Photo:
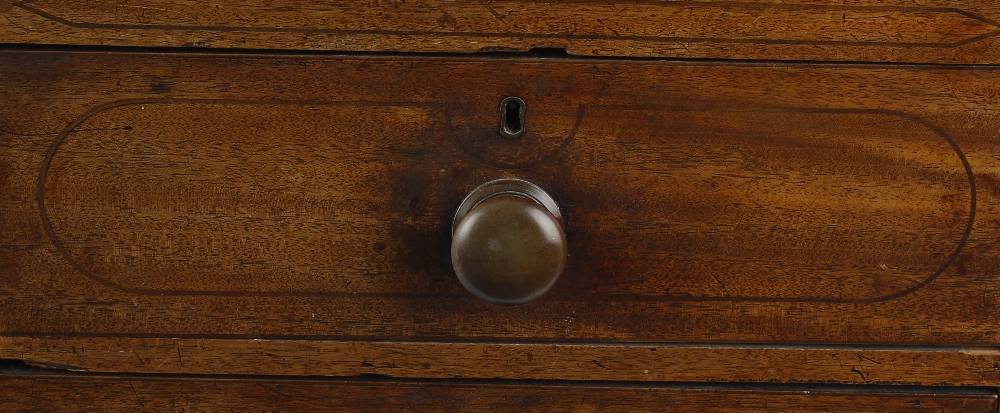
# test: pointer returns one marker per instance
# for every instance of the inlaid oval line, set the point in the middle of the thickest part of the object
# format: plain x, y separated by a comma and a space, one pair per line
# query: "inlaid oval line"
769, 204
79, 266
356, 212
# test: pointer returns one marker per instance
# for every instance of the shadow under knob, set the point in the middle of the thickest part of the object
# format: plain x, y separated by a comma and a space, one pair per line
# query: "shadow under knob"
508, 245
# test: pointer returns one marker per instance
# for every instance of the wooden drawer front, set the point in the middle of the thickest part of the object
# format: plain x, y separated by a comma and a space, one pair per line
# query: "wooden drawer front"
235, 196
113, 394
939, 31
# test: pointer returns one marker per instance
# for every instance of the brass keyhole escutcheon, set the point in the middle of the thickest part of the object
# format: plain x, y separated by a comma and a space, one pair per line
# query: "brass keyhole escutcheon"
508, 244
512, 117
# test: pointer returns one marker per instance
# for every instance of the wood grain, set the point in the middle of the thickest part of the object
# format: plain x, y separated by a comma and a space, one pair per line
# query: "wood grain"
924, 366
309, 197
729, 196
119, 394
938, 31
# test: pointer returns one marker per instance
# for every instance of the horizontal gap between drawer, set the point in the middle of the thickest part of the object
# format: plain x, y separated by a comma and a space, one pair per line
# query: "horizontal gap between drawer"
971, 349
542, 54
15, 369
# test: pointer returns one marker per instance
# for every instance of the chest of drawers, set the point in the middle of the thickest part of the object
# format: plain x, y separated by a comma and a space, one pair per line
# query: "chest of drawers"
765, 205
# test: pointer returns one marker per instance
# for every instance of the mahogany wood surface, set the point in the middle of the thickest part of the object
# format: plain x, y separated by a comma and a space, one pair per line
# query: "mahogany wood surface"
934, 31
924, 366
238, 197
54, 393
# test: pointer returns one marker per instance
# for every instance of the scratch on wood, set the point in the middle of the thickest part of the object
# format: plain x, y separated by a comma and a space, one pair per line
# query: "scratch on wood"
859, 372
863, 358
493, 12
143, 7
598, 364
275, 391
136, 394
608, 27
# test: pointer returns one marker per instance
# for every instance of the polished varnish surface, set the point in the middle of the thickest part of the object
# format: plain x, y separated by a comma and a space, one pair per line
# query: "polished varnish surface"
311, 197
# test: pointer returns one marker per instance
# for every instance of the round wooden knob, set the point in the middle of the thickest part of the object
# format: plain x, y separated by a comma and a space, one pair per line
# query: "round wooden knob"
508, 244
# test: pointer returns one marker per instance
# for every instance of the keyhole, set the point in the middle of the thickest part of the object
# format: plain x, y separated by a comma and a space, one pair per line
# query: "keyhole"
512, 117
